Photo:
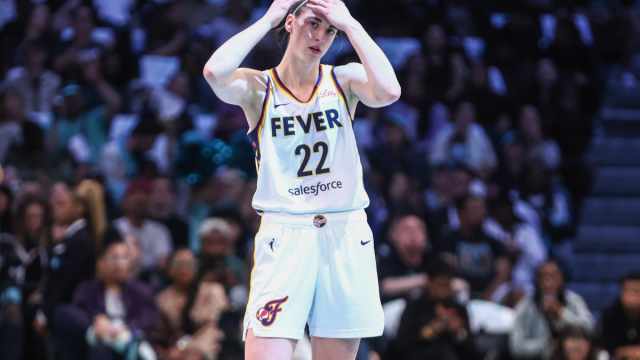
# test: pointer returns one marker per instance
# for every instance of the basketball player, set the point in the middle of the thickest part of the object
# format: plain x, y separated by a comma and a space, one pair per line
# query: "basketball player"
314, 258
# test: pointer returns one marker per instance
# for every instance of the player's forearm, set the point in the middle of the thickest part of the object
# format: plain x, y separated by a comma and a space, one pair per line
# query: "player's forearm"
380, 74
228, 57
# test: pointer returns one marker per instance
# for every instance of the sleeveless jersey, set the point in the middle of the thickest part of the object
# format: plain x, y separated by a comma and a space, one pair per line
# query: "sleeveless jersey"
306, 153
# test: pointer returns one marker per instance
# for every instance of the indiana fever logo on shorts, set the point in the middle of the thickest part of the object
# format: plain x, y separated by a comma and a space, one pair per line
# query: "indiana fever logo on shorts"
267, 314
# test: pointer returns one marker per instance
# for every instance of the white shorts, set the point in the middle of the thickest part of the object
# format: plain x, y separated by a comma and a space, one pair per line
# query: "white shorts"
318, 270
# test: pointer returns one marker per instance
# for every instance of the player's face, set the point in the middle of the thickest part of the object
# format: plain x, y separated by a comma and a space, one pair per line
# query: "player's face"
311, 33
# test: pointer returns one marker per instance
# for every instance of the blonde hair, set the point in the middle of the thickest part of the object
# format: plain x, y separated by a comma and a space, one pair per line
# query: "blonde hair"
92, 194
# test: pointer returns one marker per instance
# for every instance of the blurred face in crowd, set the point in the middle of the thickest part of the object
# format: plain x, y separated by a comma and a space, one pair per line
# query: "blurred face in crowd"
34, 218
4, 202
576, 348
631, 296
83, 23
441, 181
136, 205
465, 115
13, 106
547, 73
550, 278
440, 287
179, 85
39, 19
409, 237
66, 208
182, 268
35, 59
115, 264
460, 180
400, 187
436, 38
162, 200
215, 243
530, 123
474, 212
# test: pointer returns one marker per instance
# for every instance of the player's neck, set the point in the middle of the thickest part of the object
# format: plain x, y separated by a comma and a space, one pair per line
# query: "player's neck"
297, 74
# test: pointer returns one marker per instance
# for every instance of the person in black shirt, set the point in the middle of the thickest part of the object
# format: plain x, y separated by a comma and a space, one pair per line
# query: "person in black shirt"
163, 209
402, 265
620, 323
435, 326
478, 258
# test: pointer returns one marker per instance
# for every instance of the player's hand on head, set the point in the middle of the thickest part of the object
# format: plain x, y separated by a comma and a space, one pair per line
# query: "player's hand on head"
278, 10
335, 11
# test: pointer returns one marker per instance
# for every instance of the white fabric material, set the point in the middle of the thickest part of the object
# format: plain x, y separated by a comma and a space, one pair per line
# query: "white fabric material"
325, 277
528, 241
153, 239
317, 130
479, 152
490, 317
393, 311
113, 305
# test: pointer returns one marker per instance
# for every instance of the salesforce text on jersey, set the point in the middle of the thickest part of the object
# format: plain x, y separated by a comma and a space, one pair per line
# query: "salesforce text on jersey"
315, 189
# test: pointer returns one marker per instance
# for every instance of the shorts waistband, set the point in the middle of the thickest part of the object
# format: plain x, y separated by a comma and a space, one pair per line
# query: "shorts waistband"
314, 219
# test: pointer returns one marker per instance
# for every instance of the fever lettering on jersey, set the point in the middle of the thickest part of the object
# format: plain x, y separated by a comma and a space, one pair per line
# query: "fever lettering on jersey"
306, 152
317, 121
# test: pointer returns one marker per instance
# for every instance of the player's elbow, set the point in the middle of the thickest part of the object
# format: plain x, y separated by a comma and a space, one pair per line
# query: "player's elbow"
208, 73
394, 92
389, 94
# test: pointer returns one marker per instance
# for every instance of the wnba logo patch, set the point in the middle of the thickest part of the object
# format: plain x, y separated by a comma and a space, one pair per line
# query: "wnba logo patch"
267, 314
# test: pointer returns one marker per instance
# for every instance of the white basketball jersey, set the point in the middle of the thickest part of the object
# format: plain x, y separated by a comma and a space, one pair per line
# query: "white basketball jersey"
306, 152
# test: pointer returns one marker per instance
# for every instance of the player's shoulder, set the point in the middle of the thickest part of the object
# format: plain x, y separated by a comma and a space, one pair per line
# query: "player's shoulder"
257, 77
349, 71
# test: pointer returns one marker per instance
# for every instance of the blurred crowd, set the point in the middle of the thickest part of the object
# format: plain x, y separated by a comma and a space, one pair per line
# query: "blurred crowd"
125, 195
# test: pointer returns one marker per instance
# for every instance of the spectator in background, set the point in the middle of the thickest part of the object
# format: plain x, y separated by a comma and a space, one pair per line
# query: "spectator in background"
435, 326
35, 84
171, 340
526, 246
21, 139
538, 147
218, 258
513, 156
542, 316
131, 156
167, 25
575, 343
402, 265
152, 237
32, 235
620, 323
548, 198
476, 256
11, 317
71, 254
82, 124
111, 314
80, 47
6, 206
465, 141
92, 194
162, 208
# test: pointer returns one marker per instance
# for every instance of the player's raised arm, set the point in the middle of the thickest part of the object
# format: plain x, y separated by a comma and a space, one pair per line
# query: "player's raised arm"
374, 81
230, 83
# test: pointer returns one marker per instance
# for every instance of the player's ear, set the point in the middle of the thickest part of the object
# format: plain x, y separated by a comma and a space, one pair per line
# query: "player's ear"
288, 23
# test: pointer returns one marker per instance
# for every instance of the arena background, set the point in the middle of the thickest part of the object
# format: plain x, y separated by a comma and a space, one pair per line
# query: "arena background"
504, 185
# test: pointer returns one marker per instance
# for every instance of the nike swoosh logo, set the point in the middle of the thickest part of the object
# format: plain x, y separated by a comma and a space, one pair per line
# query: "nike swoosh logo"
363, 243
276, 105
